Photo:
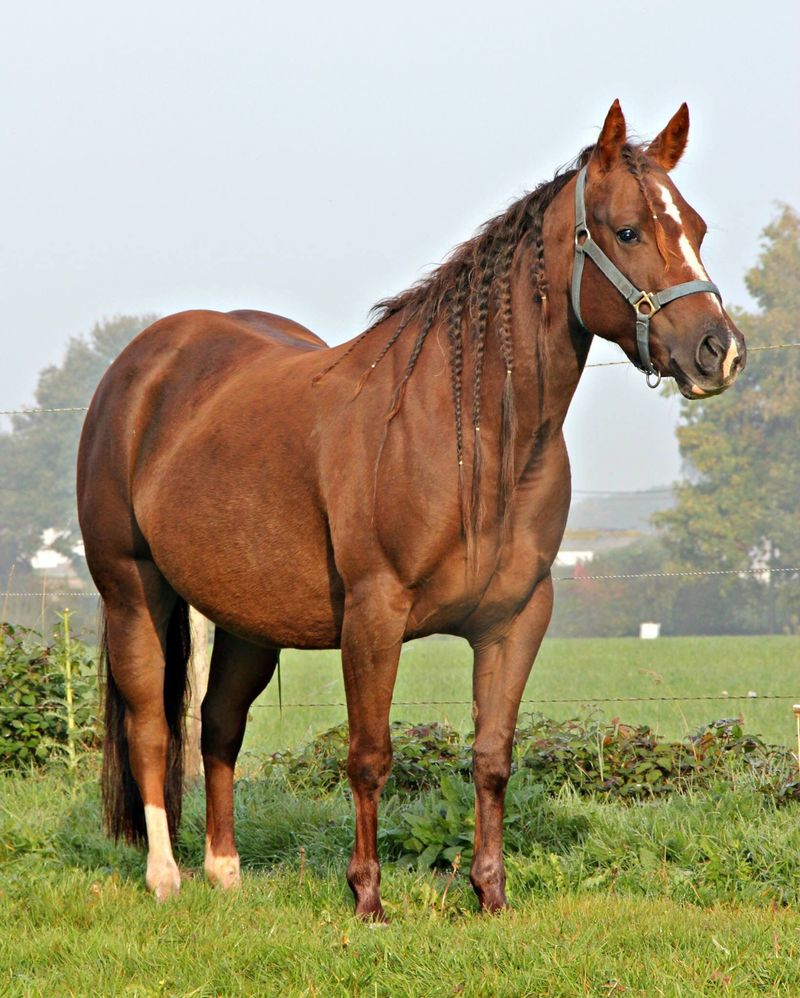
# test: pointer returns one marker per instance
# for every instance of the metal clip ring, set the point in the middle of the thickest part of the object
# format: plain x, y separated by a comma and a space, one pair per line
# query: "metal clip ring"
651, 374
582, 232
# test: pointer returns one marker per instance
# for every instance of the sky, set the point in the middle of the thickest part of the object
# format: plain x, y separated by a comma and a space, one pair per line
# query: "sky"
310, 158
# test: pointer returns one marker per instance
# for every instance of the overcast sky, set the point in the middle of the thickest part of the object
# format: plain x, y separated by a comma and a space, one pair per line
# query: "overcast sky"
310, 158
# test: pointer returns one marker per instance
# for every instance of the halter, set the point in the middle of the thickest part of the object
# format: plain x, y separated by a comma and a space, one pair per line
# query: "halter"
645, 303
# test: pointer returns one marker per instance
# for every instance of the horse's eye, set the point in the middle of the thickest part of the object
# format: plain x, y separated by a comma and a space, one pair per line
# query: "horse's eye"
628, 235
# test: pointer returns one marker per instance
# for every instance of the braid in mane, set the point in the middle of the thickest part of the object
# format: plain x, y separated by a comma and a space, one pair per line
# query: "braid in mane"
480, 315
397, 399
508, 430
387, 346
636, 161
456, 301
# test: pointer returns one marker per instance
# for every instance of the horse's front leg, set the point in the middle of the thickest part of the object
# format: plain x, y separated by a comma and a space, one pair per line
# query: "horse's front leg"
372, 633
501, 671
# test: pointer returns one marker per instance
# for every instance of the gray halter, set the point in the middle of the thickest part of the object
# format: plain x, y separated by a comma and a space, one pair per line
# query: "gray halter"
645, 303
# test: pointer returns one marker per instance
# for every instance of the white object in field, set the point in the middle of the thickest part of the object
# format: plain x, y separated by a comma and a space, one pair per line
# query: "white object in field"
569, 559
752, 694
649, 630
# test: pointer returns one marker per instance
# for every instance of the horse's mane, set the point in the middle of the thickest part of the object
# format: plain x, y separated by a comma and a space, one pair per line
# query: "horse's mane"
461, 290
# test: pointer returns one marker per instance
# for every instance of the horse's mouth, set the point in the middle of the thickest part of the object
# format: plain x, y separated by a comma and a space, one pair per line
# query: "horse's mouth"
690, 389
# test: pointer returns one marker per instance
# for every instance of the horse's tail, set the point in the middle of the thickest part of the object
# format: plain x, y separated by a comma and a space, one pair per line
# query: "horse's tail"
122, 802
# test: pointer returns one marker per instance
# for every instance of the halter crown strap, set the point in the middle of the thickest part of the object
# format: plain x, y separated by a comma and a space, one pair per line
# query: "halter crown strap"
644, 303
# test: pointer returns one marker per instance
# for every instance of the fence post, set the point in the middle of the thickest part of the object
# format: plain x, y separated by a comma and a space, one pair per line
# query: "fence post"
198, 681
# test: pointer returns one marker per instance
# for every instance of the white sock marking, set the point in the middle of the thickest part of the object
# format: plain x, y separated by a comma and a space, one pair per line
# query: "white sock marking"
222, 871
163, 878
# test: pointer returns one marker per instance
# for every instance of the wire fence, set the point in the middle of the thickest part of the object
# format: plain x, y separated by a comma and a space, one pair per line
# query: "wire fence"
760, 572
538, 701
603, 363
763, 572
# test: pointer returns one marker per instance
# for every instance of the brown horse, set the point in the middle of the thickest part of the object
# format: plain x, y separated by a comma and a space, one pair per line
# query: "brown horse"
412, 481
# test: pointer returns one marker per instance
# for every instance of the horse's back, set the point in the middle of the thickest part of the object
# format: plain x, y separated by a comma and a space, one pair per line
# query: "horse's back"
278, 329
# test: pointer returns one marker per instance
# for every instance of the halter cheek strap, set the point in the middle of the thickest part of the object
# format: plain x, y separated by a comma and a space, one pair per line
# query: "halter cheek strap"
644, 303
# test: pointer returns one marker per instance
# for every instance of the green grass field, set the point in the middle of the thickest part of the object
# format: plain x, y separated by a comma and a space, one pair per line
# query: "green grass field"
580, 669
695, 896
692, 895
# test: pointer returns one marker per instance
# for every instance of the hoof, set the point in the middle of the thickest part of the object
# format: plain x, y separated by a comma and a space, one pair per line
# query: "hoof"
493, 905
163, 880
223, 871
374, 914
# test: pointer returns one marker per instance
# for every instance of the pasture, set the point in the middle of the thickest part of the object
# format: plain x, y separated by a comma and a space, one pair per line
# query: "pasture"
582, 670
696, 894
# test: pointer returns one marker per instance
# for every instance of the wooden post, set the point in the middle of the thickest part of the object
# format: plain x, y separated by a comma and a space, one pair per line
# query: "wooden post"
198, 681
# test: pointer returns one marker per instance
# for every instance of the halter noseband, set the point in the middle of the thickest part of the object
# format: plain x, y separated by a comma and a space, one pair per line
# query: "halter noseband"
645, 303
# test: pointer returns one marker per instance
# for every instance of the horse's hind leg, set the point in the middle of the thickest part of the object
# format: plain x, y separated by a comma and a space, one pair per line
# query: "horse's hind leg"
239, 672
145, 656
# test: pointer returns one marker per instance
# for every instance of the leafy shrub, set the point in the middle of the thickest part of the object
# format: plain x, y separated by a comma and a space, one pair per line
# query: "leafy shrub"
620, 761
614, 760
423, 755
34, 726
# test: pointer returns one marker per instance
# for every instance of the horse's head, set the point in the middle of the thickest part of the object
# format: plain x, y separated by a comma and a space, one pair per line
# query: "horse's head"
638, 279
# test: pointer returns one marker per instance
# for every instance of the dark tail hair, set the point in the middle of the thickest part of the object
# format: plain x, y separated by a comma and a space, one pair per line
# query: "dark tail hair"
122, 802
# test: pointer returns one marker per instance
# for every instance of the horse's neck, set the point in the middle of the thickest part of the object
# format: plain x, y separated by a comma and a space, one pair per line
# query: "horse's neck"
549, 355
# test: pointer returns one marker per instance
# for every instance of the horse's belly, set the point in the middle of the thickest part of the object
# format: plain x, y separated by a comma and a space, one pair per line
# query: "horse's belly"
265, 600
259, 568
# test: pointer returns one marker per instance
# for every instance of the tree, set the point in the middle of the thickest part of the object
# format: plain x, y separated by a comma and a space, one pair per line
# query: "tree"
739, 506
37, 458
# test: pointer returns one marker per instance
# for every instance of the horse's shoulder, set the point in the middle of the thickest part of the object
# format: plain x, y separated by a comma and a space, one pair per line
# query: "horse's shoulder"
279, 329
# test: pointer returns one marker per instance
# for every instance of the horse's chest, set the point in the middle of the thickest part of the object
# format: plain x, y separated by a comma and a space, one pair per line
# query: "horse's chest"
459, 598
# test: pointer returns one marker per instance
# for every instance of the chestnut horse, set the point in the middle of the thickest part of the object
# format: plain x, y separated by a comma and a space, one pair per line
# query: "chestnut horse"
412, 481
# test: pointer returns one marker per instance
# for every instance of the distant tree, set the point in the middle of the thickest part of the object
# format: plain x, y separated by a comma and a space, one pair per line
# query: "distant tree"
740, 503
37, 458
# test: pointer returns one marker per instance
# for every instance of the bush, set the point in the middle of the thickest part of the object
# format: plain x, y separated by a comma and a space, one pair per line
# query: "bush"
618, 760
429, 814
423, 754
37, 722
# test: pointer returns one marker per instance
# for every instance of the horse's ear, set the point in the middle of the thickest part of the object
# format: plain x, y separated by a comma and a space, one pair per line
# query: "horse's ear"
667, 147
612, 139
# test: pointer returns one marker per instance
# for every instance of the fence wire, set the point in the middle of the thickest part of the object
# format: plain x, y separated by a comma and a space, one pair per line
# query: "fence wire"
584, 701
603, 363
559, 578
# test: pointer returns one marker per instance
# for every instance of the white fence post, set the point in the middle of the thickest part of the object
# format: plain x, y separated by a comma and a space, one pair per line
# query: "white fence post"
198, 681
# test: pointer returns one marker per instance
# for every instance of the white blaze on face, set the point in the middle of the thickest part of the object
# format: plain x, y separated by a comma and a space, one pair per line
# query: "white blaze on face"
687, 251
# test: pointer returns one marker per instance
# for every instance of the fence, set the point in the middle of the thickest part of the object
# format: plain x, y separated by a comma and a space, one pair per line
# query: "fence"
693, 573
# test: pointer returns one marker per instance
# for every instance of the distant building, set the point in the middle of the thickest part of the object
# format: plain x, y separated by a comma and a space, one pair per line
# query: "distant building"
569, 559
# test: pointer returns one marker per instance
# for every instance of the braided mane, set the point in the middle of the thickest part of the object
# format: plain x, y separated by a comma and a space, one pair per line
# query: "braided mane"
475, 278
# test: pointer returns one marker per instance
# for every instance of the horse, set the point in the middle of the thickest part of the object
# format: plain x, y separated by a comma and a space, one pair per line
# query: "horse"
412, 481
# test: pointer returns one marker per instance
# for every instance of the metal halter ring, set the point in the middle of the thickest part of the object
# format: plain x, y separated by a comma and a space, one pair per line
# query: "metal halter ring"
653, 374
647, 298
582, 233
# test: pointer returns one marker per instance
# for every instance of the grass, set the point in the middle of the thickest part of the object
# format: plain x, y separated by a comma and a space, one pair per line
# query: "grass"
582, 669
278, 936
692, 896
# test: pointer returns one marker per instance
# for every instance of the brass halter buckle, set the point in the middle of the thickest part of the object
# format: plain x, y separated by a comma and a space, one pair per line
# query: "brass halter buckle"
648, 300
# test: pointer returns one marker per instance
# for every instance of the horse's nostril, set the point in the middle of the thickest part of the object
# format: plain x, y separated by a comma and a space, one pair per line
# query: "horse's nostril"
709, 354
